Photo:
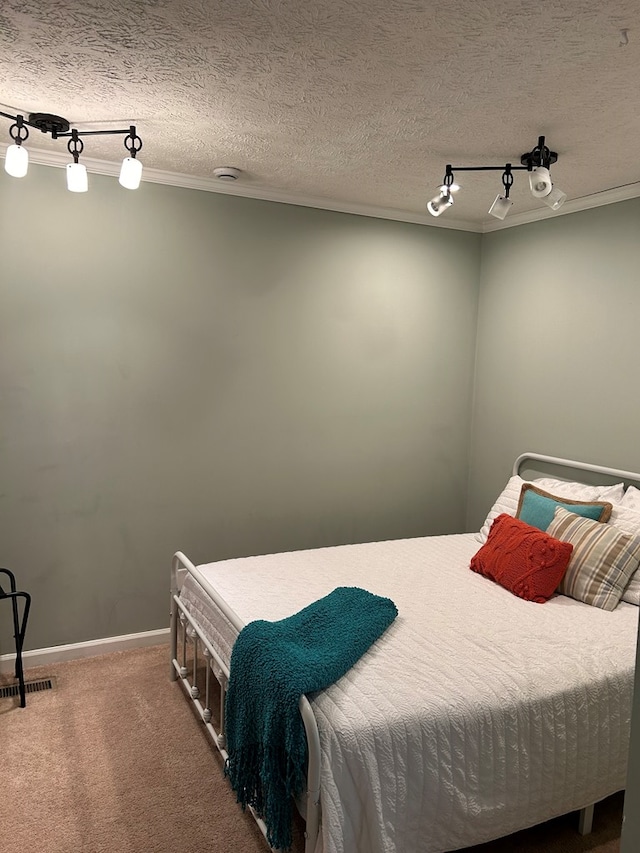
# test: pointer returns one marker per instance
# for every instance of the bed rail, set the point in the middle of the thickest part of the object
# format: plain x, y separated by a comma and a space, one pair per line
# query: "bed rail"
572, 464
179, 614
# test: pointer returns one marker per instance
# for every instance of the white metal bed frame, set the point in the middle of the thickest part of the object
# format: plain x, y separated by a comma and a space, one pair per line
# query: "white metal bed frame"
181, 619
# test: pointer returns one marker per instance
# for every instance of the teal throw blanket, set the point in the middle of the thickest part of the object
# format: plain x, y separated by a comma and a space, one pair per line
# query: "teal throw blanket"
272, 665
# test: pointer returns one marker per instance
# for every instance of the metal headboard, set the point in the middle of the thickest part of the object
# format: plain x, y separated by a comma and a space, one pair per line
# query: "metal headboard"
615, 473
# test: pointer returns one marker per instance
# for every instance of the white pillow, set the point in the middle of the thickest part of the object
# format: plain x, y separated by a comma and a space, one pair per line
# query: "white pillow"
628, 520
508, 499
631, 498
582, 492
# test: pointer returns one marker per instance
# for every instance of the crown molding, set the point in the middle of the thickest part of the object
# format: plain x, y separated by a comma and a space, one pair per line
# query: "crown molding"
189, 182
246, 190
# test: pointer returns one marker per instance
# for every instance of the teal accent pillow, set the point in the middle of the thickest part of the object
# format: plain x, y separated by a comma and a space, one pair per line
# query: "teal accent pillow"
536, 507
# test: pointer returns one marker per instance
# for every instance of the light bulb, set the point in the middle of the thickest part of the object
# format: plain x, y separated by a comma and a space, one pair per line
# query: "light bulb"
130, 173
16, 161
77, 181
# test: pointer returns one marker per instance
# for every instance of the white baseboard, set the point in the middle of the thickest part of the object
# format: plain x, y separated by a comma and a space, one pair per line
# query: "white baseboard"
88, 649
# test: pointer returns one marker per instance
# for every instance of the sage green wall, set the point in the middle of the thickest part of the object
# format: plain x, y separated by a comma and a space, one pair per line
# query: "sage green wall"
225, 376
557, 357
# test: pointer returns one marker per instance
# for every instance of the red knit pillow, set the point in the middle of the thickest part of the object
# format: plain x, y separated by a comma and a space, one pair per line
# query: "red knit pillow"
526, 561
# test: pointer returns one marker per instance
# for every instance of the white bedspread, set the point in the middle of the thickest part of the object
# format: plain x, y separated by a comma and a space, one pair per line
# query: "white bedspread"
475, 715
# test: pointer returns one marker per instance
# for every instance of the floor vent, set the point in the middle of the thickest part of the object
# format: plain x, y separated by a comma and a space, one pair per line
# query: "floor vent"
29, 687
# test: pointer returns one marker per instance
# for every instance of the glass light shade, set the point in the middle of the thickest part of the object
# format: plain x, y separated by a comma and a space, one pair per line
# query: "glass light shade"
500, 207
540, 182
555, 199
16, 161
130, 173
439, 204
77, 181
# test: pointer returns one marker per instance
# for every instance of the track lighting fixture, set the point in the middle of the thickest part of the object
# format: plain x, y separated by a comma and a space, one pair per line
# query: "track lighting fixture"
16, 160
536, 162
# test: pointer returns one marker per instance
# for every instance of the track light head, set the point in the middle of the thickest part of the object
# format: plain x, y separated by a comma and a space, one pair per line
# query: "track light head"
77, 181
500, 207
16, 160
540, 182
440, 203
502, 203
444, 199
131, 169
555, 199
538, 161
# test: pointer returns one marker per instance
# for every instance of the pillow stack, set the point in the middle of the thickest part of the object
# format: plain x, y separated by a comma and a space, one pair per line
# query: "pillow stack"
540, 542
509, 498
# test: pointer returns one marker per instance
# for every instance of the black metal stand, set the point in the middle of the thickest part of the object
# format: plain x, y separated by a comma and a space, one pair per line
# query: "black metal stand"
19, 626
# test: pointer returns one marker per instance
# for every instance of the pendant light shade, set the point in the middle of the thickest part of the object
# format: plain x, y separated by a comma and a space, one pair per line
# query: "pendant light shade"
16, 161
77, 181
130, 173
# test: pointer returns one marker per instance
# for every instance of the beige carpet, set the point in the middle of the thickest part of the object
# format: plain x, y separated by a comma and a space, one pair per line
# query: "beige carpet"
114, 760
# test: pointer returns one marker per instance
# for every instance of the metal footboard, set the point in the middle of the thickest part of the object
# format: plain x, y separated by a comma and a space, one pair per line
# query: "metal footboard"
184, 629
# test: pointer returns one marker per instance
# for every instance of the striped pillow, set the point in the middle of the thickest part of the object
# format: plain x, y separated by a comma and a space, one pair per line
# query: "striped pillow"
602, 562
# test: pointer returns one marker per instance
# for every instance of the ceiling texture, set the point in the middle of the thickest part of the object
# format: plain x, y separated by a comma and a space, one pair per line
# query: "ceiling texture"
353, 105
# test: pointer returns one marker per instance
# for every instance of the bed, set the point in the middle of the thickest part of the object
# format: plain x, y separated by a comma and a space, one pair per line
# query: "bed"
476, 714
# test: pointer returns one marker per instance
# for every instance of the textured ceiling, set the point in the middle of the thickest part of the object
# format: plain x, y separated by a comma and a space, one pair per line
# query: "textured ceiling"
348, 104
